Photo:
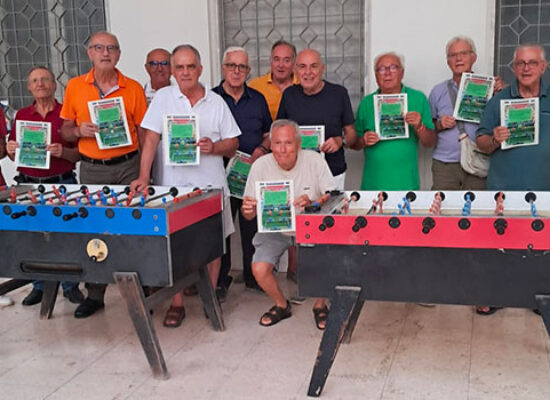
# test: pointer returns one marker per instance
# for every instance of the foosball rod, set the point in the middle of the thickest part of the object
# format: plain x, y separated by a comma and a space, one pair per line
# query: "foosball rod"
172, 192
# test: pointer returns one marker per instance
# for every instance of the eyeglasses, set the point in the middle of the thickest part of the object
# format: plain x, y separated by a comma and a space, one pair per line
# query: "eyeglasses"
44, 79
239, 67
155, 63
392, 68
463, 53
523, 64
100, 48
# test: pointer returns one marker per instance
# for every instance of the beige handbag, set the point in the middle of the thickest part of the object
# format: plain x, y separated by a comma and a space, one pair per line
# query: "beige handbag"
472, 160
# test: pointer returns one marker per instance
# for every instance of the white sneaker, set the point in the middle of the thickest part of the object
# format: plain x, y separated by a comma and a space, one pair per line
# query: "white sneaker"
5, 301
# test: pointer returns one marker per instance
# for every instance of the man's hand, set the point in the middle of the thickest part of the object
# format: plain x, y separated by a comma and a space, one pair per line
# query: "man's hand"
56, 149
248, 209
370, 138
87, 129
257, 153
499, 84
10, 148
413, 118
139, 185
500, 134
447, 122
206, 145
302, 201
332, 144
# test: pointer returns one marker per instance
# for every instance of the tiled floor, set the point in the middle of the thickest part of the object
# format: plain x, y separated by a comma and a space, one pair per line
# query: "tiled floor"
398, 351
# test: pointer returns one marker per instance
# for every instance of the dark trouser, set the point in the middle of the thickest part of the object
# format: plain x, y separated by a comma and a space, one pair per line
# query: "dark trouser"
118, 174
451, 176
248, 230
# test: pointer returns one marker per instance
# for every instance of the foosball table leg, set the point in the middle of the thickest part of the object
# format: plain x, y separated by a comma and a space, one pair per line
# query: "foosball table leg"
209, 299
12, 284
48, 299
343, 303
130, 288
352, 321
543, 302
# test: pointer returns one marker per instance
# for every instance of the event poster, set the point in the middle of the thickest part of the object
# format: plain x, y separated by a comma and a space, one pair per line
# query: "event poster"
33, 139
275, 208
180, 140
237, 172
389, 116
521, 117
110, 117
473, 94
313, 137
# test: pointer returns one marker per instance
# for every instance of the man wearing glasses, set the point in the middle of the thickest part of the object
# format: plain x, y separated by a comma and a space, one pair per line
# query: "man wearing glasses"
157, 65
108, 166
446, 169
251, 112
393, 164
524, 167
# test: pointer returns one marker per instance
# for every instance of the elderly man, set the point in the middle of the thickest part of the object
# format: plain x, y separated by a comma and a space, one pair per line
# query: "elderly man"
446, 170
273, 84
102, 166
157, 65
41, 84
526, 167
311, 178
318, 102
218, 138
393, 164
250, 110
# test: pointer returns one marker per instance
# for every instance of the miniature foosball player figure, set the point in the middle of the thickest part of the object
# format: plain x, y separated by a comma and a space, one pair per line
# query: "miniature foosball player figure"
311, 179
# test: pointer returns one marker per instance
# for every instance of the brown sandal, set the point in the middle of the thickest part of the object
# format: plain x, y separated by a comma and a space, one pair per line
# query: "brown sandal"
321, 315
174, 317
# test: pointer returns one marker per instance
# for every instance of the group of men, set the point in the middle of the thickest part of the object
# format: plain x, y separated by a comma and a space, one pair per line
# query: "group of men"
262, 119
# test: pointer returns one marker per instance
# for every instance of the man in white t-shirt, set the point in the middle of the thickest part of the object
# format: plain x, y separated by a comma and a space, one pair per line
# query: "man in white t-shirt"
311, 178
218, 139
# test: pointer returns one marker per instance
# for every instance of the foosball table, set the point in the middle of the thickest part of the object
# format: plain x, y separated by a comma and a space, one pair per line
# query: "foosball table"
453, 247
105, 234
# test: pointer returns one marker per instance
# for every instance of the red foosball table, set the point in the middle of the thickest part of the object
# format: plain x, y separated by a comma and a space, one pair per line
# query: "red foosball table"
452, 247
104, 234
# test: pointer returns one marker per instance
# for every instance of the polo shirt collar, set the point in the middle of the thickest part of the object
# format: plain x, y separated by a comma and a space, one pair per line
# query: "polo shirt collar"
90, 78
206, 97
224, 93
403, 89
56, 104
294, 79
514, 89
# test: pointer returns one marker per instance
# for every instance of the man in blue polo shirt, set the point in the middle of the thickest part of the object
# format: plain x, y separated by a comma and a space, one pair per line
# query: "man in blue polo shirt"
250, 110
525, 167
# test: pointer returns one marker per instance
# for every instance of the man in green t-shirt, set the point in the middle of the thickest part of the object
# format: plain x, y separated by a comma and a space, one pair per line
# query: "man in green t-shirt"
393, 164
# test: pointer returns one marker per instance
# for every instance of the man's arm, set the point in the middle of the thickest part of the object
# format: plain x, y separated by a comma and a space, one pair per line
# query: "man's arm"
489, 143
262, 149
70, 132
150, 143
226, 147
248, 209
350, 136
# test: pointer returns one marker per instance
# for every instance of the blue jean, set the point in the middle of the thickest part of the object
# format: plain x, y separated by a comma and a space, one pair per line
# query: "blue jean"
67, 286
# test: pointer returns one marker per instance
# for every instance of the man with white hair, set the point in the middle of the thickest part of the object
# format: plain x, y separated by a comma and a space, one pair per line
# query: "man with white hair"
447, 172
393, 164
250, 110
526, 167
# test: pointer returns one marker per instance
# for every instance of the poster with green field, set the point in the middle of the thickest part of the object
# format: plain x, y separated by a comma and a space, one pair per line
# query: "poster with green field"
473, 94
33, 139
237, 171
389, 116
275, 206
180, 137
313, 137
521, 117
110, 117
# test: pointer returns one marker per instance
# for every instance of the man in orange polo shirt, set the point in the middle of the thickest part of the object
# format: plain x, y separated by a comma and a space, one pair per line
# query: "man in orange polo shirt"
108, 166
273, 84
